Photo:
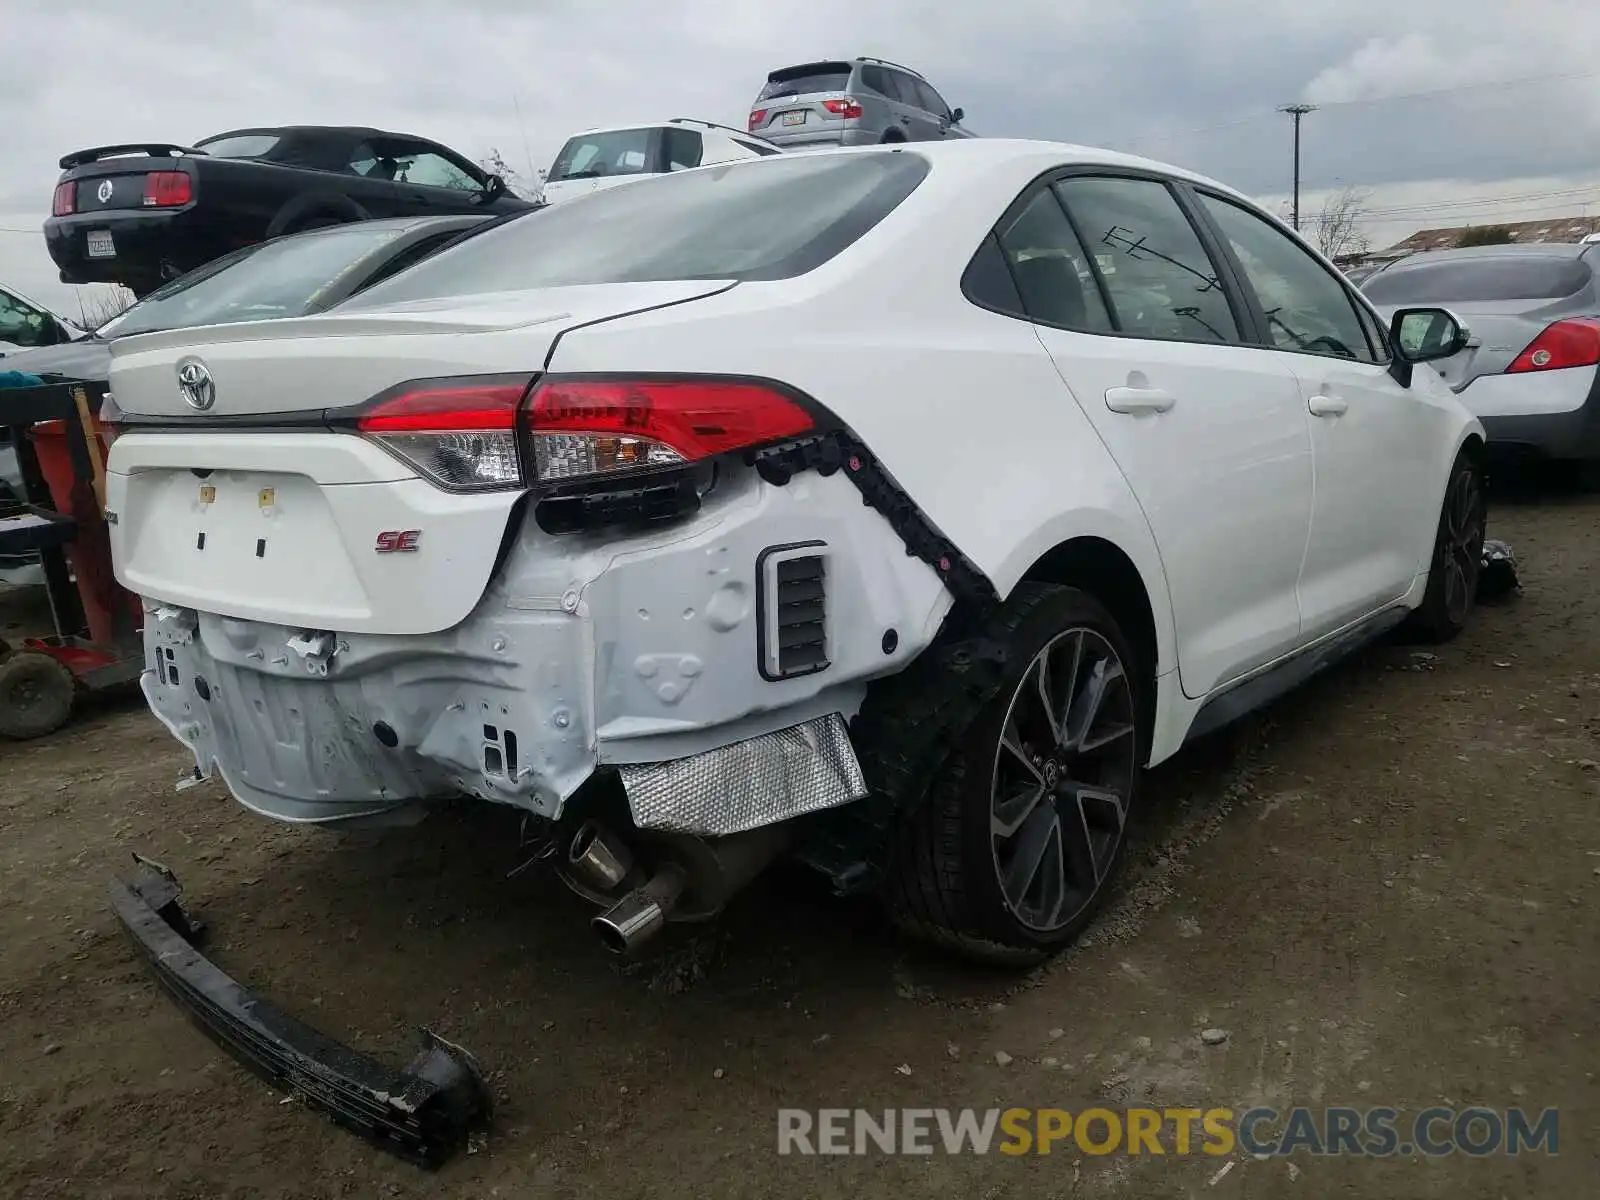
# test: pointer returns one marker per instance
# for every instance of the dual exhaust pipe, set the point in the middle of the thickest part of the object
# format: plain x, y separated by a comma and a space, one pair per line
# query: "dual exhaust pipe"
697, 880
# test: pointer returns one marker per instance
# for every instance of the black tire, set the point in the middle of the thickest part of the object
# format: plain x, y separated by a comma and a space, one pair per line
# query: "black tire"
892, 137
318, 222
944, 881
36, 694
1457, 557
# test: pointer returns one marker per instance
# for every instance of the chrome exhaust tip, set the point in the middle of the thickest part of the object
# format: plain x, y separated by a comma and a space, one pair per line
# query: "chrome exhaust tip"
598, 858
641, 914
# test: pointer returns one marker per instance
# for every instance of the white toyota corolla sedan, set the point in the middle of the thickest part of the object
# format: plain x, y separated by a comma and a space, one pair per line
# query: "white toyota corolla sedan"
891, 509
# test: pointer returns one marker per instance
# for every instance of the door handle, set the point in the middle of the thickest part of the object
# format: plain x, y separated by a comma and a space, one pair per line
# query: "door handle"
1139, 400
905, 120
1324, 405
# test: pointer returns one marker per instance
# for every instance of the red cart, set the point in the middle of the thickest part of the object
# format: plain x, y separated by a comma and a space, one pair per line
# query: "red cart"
61, 450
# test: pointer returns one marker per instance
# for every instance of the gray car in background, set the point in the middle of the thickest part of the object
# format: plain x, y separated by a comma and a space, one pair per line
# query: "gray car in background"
1531, 368
851, 102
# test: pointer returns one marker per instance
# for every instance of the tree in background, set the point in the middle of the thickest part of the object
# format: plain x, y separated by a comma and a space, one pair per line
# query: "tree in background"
516, 183
98, 306
1484, 235
1338, 229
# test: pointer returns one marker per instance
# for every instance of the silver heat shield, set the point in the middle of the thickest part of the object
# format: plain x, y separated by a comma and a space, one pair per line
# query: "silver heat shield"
752, 783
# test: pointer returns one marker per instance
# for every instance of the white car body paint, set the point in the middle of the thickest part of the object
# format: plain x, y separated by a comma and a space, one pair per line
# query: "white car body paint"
718, 146
1258, 530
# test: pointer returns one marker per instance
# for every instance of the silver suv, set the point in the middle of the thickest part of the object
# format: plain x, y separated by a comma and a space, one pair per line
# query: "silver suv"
851, 102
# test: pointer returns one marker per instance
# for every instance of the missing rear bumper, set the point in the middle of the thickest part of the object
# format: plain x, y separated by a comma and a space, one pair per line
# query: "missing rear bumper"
422, 1114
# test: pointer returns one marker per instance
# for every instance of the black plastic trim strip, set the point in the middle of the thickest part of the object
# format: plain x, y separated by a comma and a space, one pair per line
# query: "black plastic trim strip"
422, 1114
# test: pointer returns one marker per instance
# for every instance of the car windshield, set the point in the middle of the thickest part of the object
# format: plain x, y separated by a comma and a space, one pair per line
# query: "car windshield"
806, 80
593, 155
767, 218
281, 278
243, 145
1491, 277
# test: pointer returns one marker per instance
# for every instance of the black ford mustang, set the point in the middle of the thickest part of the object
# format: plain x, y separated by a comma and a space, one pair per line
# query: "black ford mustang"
142, 214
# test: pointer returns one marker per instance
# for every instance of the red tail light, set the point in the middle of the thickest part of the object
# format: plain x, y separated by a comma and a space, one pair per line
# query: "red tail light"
757, 116
588, 427
167, 189
65, 200
847, 108
1574, 342
463, 433
460, 433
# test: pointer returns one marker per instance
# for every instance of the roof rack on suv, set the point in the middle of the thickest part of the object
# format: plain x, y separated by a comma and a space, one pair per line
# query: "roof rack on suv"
884, 62
743, 133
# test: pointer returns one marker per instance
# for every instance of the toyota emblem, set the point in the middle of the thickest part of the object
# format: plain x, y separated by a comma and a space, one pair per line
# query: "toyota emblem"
195, 382
103, 192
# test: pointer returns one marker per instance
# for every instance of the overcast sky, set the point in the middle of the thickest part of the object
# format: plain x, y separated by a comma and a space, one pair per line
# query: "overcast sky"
1449, 110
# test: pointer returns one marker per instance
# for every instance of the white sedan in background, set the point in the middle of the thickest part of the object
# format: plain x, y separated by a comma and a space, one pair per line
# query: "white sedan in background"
888, 508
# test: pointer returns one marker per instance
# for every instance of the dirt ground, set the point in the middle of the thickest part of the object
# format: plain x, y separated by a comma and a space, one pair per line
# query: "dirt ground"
1386, 891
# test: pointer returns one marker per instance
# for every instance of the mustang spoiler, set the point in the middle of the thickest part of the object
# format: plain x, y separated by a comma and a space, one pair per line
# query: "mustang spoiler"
154, 149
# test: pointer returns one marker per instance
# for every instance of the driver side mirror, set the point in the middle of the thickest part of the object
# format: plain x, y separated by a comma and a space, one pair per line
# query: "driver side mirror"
493, 188
1426, 334
956, 115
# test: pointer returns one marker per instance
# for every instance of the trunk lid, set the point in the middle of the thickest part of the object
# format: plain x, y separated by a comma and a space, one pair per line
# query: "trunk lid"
340, 358
117, 180
1500, 330
240, 512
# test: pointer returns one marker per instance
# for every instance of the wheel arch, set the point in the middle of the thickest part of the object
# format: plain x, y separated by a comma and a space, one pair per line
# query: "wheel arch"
315, 204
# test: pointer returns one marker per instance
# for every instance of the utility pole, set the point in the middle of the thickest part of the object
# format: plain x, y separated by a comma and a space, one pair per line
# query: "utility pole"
1296, 111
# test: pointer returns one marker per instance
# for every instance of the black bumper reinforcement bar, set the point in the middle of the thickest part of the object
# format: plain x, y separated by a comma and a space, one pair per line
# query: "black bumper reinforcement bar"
422, 1114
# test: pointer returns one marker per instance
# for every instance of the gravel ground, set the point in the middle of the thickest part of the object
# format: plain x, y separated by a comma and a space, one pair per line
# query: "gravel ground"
1384, 892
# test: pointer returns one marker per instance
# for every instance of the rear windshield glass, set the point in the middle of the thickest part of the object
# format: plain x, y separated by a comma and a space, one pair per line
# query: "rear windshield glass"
595, 155
245, 145
281, 278
765, 218
1494, 277
806, 80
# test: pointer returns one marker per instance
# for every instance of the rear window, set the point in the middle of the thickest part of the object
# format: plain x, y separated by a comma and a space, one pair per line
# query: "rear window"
806, 80
281, 278
245, 145
597, 155
768, 218
1493, 277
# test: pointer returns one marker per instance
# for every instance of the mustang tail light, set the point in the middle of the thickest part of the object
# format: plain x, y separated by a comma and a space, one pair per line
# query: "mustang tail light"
588, 428
460, 433
1574, 342
848, 108
65, 201
167, 189
757, 116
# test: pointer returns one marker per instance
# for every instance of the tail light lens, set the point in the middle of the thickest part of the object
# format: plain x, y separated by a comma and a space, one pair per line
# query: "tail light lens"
1574, 342
459, 433
848, 108
65, 201
464, 433
757, 116
167, 189
110, 417
581, 429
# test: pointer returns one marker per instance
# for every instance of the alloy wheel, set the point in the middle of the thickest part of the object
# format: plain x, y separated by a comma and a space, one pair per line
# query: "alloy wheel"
1063, 779
1462, 547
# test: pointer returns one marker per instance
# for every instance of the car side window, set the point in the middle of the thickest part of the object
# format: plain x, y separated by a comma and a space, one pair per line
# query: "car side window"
22, 324
1052, 272
903, 88
1308, 309
988, 281
425, 168
930, 100
1157, 274
684, 149
875, 79
1377, 336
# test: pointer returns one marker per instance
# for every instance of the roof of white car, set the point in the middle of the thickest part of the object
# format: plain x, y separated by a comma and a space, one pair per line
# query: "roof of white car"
983, 154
